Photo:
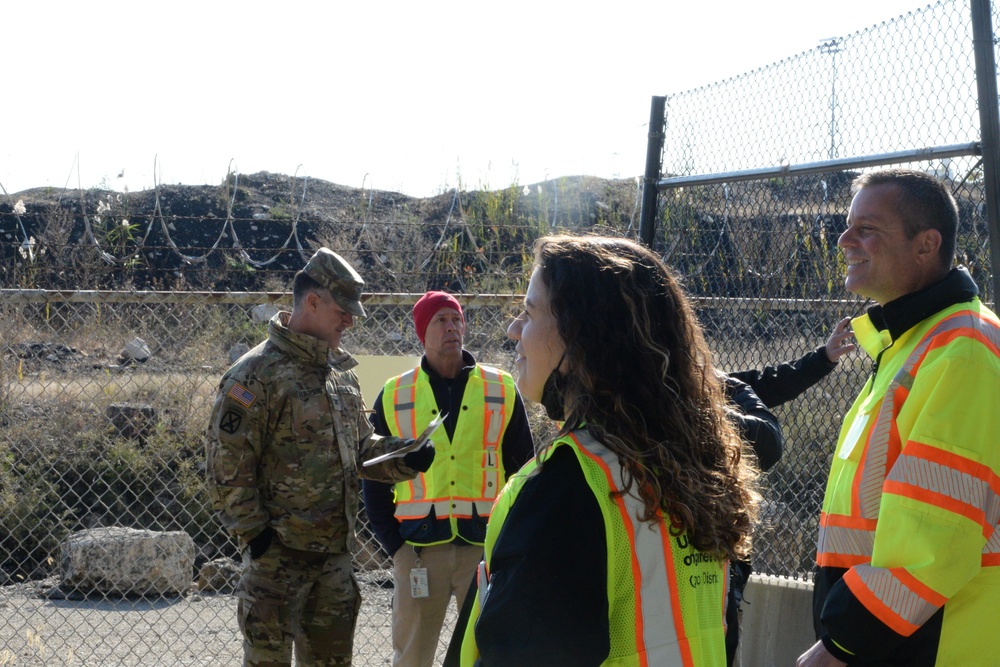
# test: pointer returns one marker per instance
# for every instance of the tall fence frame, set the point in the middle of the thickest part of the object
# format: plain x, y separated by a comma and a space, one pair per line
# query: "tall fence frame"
986, 146
742, 197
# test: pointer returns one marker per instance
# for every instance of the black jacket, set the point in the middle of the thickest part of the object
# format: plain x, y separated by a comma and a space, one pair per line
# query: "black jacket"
754, 391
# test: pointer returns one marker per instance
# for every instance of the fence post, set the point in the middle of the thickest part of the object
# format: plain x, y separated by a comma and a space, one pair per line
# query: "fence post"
989, 121
654, 149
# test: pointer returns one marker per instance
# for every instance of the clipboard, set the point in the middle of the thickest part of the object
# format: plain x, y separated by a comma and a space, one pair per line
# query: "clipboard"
413, 446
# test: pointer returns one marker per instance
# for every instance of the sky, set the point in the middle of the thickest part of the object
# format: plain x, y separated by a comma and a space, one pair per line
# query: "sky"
410, 97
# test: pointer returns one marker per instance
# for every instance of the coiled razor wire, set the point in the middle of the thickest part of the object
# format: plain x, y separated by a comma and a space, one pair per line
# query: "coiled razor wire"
228, 226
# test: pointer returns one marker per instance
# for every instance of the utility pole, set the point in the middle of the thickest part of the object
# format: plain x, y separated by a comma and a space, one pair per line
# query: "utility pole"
832, 47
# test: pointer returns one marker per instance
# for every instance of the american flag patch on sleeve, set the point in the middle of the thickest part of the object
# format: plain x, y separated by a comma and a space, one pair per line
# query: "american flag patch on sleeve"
241, 395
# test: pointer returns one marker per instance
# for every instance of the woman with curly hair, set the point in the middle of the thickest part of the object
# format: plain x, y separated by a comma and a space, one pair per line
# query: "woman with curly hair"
610, 547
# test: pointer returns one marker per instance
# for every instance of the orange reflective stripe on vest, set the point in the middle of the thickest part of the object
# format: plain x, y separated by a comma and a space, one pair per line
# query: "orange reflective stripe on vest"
894, 595
461, 508
651, 556
845, 541
404, 403
948, 481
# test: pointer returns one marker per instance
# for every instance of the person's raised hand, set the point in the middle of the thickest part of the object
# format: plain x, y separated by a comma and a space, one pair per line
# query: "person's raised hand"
841, 341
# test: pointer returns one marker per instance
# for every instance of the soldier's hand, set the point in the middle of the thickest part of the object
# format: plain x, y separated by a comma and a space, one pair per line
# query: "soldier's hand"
420, 459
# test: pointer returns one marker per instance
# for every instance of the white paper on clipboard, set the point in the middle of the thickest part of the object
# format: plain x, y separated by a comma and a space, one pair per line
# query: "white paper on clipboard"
413, 446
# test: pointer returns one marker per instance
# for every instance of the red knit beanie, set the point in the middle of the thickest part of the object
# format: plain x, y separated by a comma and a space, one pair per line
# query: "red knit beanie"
427, 305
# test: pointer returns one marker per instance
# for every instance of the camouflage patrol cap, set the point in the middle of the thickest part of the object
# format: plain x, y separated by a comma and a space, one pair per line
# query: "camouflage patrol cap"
334, 273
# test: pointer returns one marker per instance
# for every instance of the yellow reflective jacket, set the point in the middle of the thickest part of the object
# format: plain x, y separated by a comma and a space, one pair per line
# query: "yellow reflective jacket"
912, 505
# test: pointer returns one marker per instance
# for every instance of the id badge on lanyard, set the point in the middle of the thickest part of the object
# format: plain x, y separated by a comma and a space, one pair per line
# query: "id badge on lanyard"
418, 581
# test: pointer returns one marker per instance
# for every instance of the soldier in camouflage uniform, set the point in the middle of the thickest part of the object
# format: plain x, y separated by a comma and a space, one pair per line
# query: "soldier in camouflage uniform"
285, 440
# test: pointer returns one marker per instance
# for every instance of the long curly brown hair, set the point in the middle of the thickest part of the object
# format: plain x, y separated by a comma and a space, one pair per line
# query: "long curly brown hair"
640, 376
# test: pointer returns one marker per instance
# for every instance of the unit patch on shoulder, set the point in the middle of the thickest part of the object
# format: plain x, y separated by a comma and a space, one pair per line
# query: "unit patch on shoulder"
230, 421
241, 395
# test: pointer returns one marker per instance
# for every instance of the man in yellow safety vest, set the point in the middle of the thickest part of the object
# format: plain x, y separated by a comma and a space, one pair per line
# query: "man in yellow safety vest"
434, 526
909, 546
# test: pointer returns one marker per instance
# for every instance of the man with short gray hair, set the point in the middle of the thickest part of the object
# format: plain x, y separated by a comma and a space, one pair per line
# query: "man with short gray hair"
908, 552
285, 438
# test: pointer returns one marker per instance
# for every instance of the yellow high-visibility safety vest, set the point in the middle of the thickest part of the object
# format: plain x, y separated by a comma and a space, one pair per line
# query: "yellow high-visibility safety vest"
467, 472
666, 599
912, 505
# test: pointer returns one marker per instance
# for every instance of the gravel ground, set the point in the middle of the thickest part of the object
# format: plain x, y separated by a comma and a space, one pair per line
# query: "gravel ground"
194, 630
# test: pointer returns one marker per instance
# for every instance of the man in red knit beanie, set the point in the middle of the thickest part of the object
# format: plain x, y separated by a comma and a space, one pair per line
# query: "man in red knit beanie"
434, 528
428, 305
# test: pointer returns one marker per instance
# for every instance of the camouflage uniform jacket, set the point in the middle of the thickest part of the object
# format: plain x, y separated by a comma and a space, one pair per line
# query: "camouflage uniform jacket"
285, 441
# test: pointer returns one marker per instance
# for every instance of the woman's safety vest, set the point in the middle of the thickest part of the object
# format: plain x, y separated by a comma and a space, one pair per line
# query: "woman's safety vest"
455, 496
666, 600
912, 505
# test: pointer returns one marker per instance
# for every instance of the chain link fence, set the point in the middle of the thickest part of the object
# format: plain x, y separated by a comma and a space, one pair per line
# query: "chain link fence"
104, 404
105, 388
752, 193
